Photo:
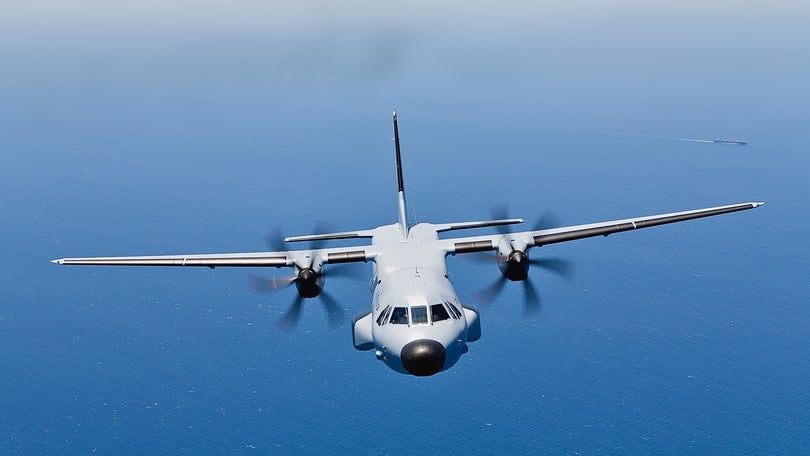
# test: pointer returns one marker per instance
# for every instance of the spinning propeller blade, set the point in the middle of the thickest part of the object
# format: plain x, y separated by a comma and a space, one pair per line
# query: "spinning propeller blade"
532, 302
261, 284
486, 295
547, 221
501, 212
275, 240
335, 312
563, 268
293, 314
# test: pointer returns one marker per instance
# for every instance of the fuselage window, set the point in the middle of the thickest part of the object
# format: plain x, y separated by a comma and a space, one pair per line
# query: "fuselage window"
419, 315
383, 314
439, 312
399, 316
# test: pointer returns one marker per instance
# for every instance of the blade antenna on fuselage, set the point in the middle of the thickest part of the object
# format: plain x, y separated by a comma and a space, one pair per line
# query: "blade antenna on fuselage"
403, 217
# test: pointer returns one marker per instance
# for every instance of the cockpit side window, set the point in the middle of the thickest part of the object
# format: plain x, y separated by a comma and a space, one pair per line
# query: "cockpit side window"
419, 315
399, 316
439, 313
456, 313
383, 315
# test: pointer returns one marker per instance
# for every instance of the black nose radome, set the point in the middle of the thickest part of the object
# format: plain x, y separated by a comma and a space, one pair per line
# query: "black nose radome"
423, 357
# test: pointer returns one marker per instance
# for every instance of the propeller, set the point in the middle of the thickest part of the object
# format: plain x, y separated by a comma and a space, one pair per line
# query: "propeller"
309, 279
275, 240
290, 318
310, 285
275, 237
533, 303
514, 262
546, 221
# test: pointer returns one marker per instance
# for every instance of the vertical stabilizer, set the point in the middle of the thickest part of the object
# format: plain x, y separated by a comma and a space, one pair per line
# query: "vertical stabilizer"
403, 218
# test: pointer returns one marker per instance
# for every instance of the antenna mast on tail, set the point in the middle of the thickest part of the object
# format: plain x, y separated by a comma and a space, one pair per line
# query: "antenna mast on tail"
403, 218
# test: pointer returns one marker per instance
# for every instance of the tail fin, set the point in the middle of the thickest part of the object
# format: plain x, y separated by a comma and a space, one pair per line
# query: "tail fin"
403, 218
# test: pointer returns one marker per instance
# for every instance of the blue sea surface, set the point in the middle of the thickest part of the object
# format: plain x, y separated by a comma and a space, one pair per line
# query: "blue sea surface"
201, 135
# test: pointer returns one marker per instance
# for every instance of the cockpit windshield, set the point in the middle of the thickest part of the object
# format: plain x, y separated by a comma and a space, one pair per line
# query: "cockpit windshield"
419, 315
439, 312
399, 316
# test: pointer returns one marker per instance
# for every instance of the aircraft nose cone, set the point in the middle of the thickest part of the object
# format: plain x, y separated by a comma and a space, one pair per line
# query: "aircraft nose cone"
423, 357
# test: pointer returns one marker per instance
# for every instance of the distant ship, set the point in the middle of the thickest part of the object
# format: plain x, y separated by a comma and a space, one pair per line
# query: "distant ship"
730, 141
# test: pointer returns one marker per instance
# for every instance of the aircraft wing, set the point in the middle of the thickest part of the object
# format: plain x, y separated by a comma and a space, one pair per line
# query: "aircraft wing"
451, 246
258, 259
570, 233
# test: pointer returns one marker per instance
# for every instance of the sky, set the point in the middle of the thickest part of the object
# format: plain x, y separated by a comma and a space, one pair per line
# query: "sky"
197, 127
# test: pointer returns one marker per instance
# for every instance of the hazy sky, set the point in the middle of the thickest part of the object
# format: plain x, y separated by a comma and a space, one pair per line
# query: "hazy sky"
581, 56
666, 68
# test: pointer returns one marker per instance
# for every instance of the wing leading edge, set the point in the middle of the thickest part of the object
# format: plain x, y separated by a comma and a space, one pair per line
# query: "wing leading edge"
249, 259
570, 233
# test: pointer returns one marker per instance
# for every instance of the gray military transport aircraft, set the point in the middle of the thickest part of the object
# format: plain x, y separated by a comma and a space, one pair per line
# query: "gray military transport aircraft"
416, 323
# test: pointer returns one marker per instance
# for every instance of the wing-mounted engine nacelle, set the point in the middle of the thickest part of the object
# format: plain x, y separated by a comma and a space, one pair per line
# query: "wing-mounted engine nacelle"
310, 278
513, 259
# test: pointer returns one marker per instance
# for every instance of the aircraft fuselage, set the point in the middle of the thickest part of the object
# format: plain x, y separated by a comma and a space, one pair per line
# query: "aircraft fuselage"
418, 324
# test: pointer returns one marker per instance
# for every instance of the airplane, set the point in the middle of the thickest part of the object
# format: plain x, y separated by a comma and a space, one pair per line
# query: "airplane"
416, 323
